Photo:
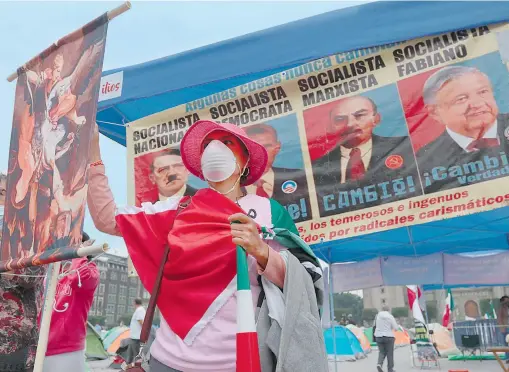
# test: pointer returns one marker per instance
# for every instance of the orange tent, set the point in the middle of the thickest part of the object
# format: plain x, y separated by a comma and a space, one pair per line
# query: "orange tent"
363, 339
443, 338
116, 343
402, 337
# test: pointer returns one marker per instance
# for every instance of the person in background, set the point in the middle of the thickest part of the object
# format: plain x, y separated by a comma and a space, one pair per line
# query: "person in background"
21, 293
503, 323
350, 320
385, 325
135, 333
68, 329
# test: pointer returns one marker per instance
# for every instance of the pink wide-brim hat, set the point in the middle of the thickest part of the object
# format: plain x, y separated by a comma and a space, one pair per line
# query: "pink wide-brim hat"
191, 149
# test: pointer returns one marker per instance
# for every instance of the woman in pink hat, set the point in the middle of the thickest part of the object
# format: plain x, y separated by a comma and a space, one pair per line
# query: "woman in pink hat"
198, 296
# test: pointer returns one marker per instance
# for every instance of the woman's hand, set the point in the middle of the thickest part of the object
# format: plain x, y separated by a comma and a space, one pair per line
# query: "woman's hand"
95, 151
245, 233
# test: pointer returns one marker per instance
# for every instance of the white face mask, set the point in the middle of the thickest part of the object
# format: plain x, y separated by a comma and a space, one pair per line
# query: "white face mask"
217, 162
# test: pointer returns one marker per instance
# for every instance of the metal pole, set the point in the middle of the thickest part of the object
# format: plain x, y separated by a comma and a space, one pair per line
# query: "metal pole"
331, 300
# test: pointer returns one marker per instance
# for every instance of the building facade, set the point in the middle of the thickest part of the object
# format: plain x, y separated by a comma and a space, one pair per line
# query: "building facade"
114, 297
375, 298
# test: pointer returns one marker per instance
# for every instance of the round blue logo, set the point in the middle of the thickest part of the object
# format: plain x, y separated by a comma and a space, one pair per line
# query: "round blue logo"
289, 186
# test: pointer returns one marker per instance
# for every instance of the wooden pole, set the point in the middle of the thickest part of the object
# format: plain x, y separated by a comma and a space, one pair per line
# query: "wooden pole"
111, 14
52, 280
49, 298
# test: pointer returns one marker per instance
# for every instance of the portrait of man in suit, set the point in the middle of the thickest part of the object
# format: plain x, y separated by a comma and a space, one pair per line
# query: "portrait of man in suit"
475, 134
362, 162
169, 175
273, 183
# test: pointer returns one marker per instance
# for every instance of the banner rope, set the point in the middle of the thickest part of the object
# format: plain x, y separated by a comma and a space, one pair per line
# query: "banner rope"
109, 122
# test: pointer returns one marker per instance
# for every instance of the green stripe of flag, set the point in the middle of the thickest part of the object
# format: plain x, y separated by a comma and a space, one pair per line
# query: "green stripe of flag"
242, 270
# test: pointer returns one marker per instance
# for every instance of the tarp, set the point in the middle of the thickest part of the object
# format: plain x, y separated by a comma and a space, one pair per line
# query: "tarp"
348, 347
94, 345
157, 85
134, 92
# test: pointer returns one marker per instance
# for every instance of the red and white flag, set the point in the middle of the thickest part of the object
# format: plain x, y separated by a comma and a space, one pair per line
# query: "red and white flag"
200, 274
414, 295
449, 307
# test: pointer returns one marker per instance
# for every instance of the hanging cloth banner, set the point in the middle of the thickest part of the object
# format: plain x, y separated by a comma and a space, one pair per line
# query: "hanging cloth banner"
404, 270
54, 115
357, 275
487, 270
358, 142
435, 271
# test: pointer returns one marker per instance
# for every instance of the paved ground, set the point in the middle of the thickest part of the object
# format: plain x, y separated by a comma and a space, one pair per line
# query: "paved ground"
402, 364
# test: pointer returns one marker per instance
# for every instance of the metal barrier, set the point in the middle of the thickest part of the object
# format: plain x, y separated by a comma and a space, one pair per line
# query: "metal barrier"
489, 332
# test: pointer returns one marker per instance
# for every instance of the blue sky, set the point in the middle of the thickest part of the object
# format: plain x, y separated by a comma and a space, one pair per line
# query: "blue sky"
149, 30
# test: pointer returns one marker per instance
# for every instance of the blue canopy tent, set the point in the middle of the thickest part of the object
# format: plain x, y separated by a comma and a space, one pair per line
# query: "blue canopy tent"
157, 85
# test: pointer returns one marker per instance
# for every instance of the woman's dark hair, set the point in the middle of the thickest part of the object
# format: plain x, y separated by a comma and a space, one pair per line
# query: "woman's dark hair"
84, 237
244, 175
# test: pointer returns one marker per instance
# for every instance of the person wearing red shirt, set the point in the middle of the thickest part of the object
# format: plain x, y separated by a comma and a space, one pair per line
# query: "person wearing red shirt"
68, 330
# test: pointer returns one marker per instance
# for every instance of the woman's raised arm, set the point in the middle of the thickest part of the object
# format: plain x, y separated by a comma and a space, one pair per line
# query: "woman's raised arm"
101, 204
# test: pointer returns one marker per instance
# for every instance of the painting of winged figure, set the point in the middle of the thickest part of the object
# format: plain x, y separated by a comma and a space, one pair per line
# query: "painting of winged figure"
54, 113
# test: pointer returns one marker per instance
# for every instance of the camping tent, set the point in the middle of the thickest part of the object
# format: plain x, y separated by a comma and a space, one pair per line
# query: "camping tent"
115, 344
157, 85
112, 335
369, 334
94, 345
443, 339
401, 337
348, 347
359, 333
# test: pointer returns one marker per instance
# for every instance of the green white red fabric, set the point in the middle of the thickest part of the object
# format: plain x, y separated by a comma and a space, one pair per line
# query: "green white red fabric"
449, 307
202, 259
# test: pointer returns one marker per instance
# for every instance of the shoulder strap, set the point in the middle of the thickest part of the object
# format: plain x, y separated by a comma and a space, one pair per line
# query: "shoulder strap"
149, 315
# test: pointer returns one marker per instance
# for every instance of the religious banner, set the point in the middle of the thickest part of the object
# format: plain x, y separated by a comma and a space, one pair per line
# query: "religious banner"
54, 114
358, 142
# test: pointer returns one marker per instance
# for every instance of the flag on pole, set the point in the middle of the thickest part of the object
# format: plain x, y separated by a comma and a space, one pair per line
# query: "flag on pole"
493, 311
449, 307
421, 297
54, 117
204, 260
413, 303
